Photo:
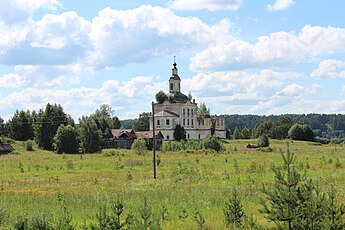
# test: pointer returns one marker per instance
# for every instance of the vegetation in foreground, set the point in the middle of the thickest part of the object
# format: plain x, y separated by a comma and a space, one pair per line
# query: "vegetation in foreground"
116, 187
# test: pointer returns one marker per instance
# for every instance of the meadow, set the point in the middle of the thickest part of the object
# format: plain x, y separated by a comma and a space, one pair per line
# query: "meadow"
42, 183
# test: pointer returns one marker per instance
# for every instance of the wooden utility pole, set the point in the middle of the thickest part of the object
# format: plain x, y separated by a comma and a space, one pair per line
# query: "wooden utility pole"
154, 142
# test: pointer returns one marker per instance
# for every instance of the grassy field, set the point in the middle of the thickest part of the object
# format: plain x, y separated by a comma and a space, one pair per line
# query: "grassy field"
44, 183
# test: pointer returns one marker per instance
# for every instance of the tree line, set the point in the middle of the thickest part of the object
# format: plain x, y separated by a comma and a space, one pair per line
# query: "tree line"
323, 125
53, 129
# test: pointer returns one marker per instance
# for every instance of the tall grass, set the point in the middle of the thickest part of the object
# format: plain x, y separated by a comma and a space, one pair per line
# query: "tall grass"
191, 188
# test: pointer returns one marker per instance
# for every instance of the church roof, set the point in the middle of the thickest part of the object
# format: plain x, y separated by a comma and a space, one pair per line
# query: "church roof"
177, 97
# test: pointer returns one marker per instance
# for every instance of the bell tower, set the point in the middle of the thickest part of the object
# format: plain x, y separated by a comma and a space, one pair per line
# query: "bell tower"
174, 81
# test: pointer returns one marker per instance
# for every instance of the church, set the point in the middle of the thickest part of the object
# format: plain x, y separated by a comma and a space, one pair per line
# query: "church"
178, 109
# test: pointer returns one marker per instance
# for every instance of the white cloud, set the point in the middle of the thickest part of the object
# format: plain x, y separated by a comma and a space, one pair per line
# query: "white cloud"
210, 5
19, 11
120, 37
330, 68
12, 81
338, 106
280, 5
293, 90
239, 85
280, 49
126, 97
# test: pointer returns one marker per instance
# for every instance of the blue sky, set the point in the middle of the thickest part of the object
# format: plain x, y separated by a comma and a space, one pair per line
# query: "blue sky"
237, 56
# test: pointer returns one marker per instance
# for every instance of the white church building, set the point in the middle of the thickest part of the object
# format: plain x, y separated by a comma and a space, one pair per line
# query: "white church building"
178, 109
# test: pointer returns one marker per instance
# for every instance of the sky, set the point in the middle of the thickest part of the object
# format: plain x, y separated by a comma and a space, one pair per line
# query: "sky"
237, 56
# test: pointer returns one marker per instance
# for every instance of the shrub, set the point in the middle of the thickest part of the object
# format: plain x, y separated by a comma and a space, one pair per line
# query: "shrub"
213, 143
29, 145
139, 146
301, 132
263, 141
233, 210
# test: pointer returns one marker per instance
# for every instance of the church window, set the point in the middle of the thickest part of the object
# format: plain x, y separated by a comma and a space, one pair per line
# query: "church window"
217, 122
171, 86
158, 122
192, 122
188, 136
191, 111
187, 112
199, 122
199, 136
184, 111
167, 122
168, 137
184, 121
187, 121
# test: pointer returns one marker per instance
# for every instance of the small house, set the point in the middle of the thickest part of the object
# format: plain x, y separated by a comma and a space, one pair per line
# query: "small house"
124, 138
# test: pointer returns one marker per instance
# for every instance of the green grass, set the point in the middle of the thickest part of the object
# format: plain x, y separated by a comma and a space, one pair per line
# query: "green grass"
32, 182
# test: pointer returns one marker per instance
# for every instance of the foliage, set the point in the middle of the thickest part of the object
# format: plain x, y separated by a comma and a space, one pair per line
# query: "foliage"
213, 143
281, 127
29, 145
90, 136
203, 111
179, 133
233, 210
161, 97
263, 141
47, 123
237, 134
20, 126
190, 96
143, 123
263, 128
301, 132
139, 146
295, 202
246, 133
2, 127
66, 140
105, 120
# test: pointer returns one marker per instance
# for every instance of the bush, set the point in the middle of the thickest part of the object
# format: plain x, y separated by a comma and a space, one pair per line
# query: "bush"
213, 143
263, 141
29, 145
139, 146
301, 132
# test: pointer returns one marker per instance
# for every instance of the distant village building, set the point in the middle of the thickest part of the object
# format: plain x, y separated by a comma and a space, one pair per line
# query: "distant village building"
178, 109
124, 138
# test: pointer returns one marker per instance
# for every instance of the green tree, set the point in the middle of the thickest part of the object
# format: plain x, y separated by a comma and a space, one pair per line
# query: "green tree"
139, 146
295, 202
47, 123
105, 120
263, 141
280, 129
2, 127
237, 134
20, 126
161, 97
301, 132
233, 210
246, 133
66, 140
179, 133
90, 136
143, 123
203, 111
263, 128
